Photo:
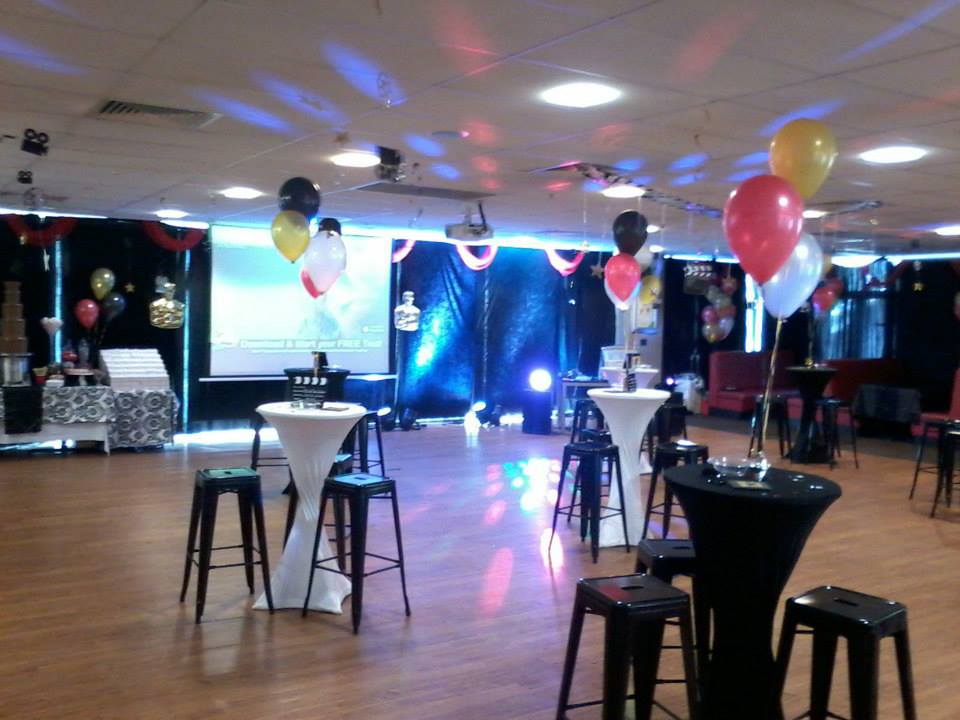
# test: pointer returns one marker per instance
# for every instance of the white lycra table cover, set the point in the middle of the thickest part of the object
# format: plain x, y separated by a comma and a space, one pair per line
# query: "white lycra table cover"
627, 415
310, 439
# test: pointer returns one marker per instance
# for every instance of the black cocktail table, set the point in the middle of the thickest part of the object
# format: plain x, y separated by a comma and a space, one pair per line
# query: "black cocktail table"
747, 543
810, 446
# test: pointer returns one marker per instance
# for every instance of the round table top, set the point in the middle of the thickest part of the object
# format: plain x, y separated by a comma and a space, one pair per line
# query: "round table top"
624, 396
329, 411
787, 486
812, 369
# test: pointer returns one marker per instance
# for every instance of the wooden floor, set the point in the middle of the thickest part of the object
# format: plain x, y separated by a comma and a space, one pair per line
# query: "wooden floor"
91, 551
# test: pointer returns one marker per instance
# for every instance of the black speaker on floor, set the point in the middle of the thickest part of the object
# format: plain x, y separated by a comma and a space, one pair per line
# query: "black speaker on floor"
536, 412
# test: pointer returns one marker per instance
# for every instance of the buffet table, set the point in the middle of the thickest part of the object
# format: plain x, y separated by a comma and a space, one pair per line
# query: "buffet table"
118, 419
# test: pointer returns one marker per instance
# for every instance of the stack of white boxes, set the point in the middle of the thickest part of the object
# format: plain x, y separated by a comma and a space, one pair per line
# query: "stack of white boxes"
135, 369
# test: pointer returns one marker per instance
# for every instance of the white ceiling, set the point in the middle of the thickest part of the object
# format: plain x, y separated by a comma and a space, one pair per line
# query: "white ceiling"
710, 78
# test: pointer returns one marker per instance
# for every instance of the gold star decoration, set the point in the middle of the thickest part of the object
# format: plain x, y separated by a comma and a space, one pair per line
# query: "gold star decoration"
129, 287
596, 271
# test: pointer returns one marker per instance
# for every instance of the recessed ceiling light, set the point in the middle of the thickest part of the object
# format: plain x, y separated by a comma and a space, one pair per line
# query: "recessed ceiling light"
191, 224
893, 154
652, 228
948, 230
854, 261
355, 159
239, 192
811, 214
171, 214
580, 94
625, 190
655, 248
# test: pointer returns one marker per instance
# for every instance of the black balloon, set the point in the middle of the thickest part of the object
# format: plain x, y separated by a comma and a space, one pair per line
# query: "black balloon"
112, 305
630, 231
300, 195
331, 225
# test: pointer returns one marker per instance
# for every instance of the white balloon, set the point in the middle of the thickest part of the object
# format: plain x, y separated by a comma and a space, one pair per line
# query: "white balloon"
617, 302
52, 325
325, 259
644, 257
788, 289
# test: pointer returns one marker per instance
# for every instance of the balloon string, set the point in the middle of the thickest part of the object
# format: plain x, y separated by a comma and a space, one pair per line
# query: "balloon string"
767, 390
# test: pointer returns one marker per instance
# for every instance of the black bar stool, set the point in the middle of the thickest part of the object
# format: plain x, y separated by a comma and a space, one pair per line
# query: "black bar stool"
342, 465
356, 490
939, 429
946, 460
371, 419
668, 422
589, 462
584, 410
664, 560
209, 485
780, 415
669, 455
864, 620
830, 409
635, 608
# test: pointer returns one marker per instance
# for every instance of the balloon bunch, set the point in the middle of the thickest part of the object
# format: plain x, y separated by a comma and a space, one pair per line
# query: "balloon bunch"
623, 272
720, 314
324, 260
763, 217
88, 312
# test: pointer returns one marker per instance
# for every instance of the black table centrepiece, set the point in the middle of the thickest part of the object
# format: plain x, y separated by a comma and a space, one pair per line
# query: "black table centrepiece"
747, 543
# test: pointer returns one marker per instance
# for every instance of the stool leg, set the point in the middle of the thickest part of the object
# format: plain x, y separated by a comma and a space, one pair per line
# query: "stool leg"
623, 501
256, 501
570, 661
863, 655
594, 503
667, 510
701, 626
901, 639
359, 506
257, 424
191, 539
316, 548
246, 535
616, 666
647, 643
556, 507
380, 458
293, 499
340, 527
916, 470
363, 441
824, 652
208, 518
396, 527
788, 632
651, 494
689, 665
576, 489
853, 439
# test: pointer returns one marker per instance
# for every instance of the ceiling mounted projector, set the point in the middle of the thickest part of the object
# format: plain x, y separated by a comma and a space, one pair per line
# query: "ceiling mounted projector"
392, 167
469, 231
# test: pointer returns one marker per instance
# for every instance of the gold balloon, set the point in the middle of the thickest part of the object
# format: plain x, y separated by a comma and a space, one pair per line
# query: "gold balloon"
101, 282
650, 289
802, 152
291, 234
827, 263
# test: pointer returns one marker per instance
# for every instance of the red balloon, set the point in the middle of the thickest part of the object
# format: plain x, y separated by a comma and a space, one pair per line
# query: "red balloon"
709, 315
728, 285
622, 274
727, 311
87, 312
762, 219
308, 284
823, 298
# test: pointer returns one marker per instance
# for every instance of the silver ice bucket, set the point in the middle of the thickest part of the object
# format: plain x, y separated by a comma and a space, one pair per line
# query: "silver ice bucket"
14, 368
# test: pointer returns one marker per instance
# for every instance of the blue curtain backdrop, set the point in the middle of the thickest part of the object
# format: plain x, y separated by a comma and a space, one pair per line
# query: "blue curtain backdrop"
482, 332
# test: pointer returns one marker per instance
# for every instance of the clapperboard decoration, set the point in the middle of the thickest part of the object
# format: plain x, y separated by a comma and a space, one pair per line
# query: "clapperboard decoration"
697, 277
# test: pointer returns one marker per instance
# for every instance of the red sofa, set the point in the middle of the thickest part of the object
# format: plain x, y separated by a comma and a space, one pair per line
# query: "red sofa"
737, 377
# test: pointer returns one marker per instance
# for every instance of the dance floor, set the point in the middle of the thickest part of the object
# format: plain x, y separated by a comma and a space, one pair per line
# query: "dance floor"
91, 555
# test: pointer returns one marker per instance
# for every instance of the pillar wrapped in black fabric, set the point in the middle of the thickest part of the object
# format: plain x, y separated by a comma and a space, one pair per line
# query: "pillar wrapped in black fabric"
747, 543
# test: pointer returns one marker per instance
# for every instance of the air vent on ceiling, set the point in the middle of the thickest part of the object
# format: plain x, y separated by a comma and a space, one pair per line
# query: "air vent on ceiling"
155, 114
423, 191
